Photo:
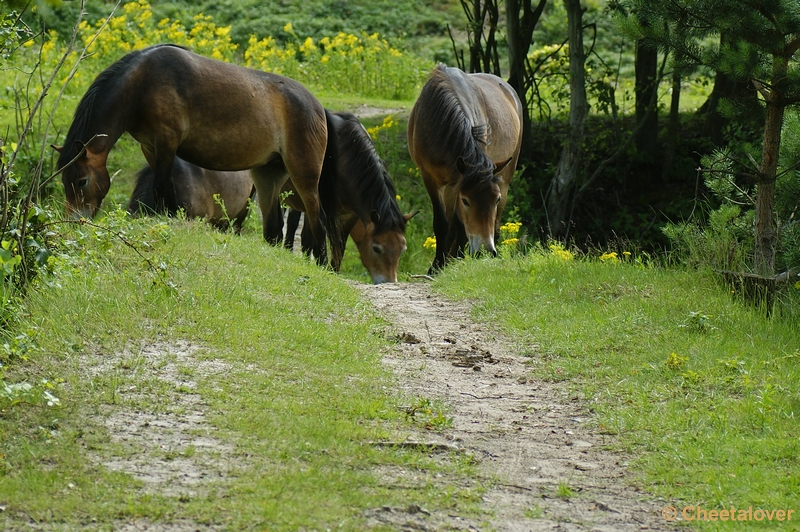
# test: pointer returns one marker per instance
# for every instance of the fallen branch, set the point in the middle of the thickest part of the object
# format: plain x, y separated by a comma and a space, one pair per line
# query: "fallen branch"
419, 445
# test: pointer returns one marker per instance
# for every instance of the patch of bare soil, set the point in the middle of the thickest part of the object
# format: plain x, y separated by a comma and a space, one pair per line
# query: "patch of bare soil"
529, 437
157, 428
166, 442
366, 111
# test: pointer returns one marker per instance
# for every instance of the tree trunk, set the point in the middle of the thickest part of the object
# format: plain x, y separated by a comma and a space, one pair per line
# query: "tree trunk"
477, 33
727, 87
766, 233
563, 183
672, 128
483, 55
646, 65
521, 19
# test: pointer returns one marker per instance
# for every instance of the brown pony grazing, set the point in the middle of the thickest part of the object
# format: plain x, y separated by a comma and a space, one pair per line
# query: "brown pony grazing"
210, 113
464, 134
367, 207
203, 193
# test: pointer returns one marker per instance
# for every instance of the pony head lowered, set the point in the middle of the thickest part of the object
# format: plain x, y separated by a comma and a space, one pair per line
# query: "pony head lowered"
82, 158
380, 235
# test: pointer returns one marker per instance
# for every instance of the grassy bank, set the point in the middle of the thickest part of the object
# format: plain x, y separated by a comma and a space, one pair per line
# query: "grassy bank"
702, 389
296, 397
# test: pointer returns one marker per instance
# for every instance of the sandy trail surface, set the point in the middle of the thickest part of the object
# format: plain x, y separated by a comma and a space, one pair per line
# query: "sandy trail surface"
530, 437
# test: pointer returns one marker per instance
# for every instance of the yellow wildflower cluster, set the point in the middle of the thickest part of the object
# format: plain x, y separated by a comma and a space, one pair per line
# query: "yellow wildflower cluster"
366, 65
430, 243
135, 29
387, 123
558, 250
609, 257
676, 361
509, 232
509, 236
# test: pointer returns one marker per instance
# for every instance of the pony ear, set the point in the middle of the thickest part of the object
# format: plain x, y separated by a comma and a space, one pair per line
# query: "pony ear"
95, 158
374, 217
59, 149
499, 167
461, 165
411, 215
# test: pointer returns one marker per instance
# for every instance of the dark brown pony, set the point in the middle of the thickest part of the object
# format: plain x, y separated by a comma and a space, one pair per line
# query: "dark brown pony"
464, 134
222, 198
367, 205
213, 114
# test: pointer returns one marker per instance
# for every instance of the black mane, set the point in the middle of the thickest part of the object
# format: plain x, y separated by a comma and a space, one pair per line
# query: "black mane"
371, 181
459, 137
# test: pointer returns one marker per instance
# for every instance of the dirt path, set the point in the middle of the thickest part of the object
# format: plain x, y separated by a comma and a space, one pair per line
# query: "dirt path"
528, 435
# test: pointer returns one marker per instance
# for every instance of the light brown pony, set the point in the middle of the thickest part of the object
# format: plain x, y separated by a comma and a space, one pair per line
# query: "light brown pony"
464, 134
222, 198
367, 202
210, 113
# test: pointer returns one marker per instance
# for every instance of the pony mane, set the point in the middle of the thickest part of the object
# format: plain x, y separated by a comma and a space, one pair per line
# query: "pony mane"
459, 136
373, 186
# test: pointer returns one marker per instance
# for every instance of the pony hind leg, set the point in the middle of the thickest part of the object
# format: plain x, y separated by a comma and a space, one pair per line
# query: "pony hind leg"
315, 217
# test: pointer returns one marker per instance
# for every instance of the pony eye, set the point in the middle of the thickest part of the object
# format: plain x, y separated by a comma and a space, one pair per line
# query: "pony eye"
377, 249
80, 183
498, 200
465, 201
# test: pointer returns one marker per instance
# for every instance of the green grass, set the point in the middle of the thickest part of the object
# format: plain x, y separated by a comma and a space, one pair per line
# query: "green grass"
702, 390
302, 397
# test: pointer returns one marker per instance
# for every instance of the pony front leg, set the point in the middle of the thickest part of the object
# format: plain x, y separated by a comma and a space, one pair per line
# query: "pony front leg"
440, 227
161, 162
268, 180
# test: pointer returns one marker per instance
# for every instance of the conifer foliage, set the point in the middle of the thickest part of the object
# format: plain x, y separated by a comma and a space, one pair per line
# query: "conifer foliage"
756, 41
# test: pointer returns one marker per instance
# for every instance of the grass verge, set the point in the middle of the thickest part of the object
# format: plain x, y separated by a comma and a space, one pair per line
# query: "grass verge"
704, 391
300, 397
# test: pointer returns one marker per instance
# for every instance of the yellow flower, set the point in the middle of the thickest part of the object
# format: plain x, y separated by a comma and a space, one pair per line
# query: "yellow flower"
288, 28
609, 257
676, 361
430, 243
559, 251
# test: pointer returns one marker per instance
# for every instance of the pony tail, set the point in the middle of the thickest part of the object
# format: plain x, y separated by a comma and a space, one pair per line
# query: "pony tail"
328, 193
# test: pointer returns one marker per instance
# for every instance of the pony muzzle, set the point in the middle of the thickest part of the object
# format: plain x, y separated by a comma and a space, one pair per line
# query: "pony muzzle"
380, 279
479, 245
86, 212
